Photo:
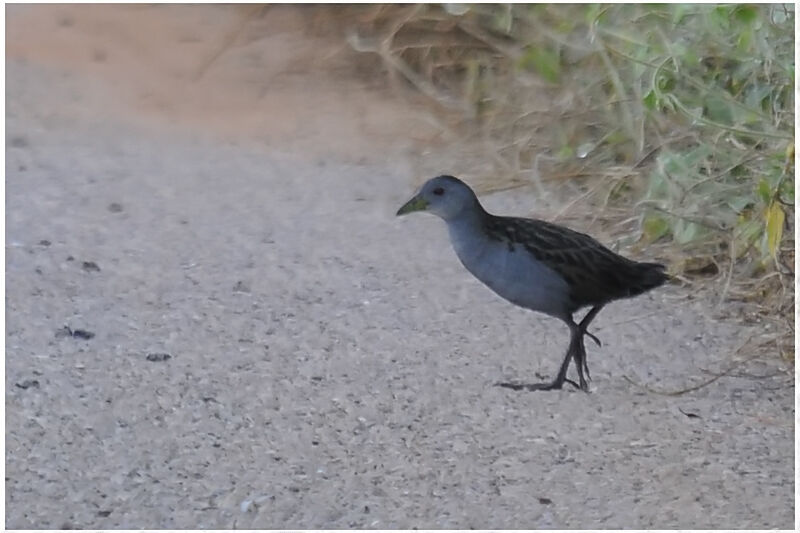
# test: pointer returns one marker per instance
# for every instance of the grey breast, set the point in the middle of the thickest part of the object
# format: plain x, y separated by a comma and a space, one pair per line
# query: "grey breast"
511, 271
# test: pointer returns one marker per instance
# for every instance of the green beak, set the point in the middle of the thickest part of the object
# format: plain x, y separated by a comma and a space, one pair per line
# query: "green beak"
417, 203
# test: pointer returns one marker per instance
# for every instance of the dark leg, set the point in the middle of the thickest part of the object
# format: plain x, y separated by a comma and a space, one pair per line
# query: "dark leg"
576, 351
579, 354
575, 341
595, 339
588, 318
580, 350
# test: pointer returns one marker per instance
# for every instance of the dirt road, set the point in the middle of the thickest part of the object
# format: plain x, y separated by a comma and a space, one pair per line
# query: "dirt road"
329, 365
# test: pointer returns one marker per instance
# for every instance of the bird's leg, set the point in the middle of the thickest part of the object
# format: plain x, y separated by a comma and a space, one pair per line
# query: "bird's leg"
588, 318
595, 339
579, 354
574, 340
575, 344
580, 350
577, 351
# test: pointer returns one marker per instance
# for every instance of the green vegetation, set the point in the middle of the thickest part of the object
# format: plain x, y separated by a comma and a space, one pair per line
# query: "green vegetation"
676, 121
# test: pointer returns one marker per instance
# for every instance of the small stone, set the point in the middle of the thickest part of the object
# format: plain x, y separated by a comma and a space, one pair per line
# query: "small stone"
158, 357
82, 334
44, 242
66, 331
28, 383
689, 414
241, 287
115, 207
90, 266
18, 142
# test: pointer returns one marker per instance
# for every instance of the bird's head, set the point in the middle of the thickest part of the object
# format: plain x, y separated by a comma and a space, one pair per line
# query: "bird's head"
444, 196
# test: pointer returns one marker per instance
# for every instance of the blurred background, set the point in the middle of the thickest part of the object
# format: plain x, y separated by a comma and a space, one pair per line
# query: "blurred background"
668, 129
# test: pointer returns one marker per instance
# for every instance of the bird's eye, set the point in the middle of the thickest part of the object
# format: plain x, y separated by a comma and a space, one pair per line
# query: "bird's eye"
438, 191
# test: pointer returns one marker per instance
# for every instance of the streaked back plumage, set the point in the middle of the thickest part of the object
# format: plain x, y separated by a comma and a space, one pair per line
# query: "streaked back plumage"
594, 274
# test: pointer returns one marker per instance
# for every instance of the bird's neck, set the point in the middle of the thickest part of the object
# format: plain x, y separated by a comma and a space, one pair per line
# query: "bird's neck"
467, 226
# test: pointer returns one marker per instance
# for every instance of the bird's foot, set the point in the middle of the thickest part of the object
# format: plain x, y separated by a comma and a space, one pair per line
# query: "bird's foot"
591, 336
553, 385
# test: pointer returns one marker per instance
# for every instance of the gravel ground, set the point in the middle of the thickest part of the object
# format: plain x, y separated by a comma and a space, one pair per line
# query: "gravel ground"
329, 365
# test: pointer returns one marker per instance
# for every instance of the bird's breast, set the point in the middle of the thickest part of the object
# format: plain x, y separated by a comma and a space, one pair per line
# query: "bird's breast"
512, 272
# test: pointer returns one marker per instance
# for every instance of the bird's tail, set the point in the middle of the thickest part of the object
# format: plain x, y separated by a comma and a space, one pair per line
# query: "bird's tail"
646, 276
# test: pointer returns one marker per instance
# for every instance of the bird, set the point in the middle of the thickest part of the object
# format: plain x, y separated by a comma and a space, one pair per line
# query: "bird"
536, 265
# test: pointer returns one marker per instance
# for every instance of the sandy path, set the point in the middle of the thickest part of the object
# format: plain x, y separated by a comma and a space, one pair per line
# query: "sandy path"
331, 366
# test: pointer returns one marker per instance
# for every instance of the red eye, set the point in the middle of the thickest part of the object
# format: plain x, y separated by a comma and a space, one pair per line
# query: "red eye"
438, 191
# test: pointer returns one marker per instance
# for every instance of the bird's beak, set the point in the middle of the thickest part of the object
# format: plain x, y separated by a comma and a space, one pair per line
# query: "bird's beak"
418, 203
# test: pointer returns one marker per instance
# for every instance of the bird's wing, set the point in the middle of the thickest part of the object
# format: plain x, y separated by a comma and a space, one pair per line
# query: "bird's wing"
594, 273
